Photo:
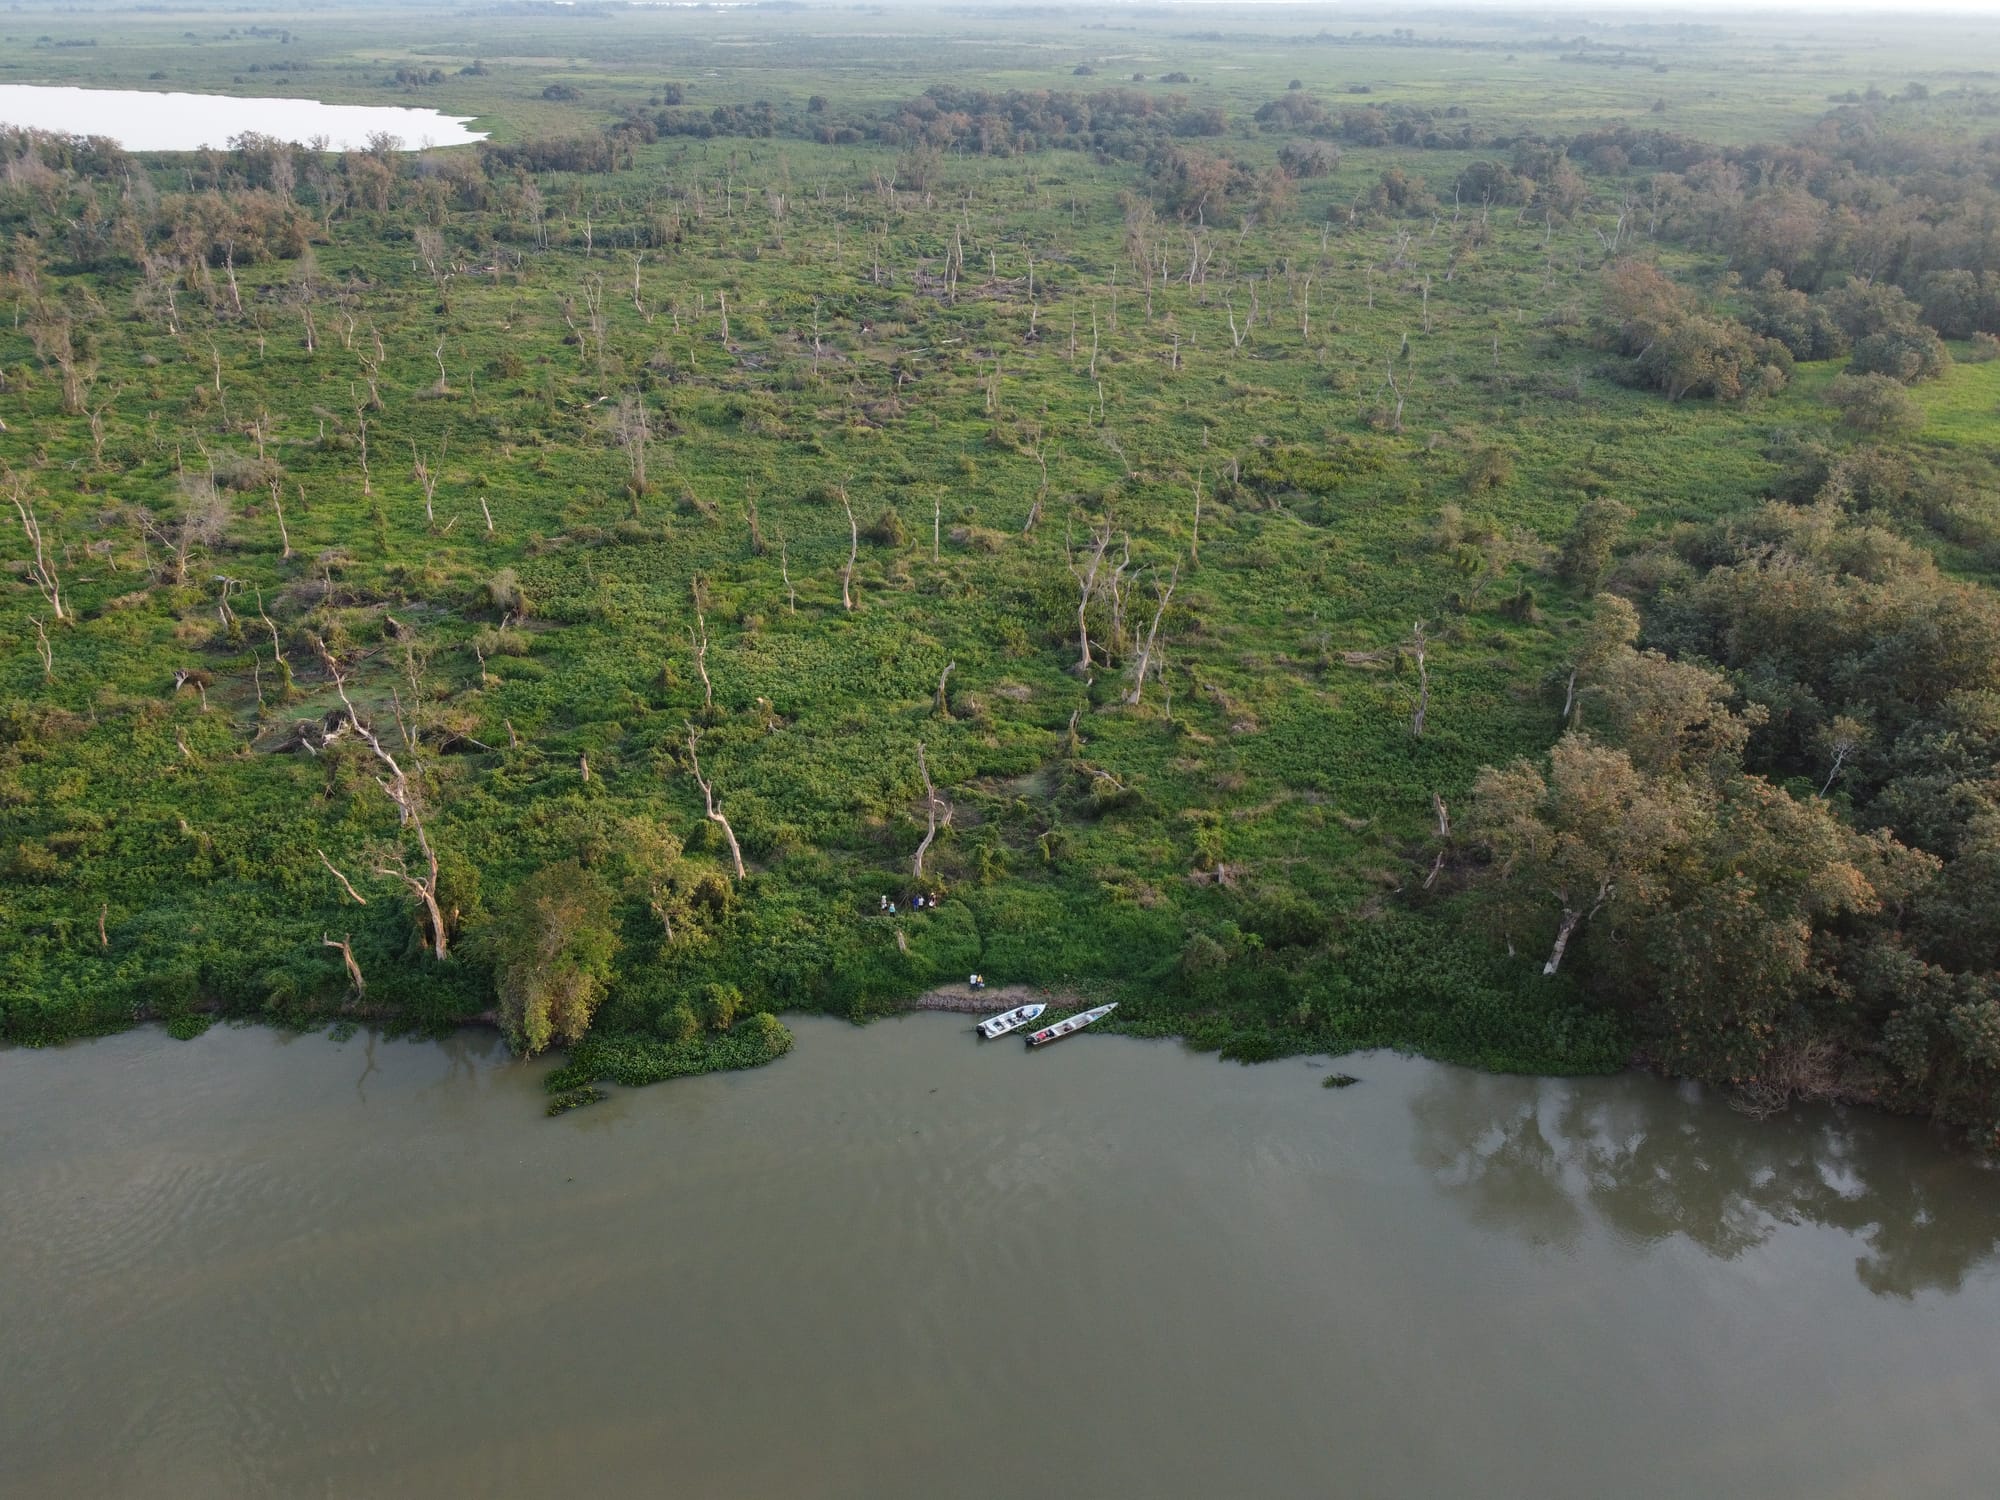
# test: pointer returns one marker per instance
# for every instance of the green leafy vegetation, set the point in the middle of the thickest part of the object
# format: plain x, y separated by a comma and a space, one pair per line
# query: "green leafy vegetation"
1286, 560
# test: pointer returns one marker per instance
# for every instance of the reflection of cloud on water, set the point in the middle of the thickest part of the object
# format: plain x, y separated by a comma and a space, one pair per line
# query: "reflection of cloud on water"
1548, 1159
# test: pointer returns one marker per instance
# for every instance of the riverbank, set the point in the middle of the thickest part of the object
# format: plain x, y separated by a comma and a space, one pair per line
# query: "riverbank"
964, 1000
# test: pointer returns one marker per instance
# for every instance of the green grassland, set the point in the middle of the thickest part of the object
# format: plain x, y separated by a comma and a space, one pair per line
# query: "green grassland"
1239, 857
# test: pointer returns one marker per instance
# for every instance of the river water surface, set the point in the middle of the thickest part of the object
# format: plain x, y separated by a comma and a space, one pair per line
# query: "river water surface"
897, 1263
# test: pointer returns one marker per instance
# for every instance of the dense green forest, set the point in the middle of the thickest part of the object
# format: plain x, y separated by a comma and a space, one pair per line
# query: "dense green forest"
1449, 537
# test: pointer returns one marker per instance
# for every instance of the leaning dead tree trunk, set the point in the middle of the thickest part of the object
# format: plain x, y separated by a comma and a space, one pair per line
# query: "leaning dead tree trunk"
1086, 579
714, 813
853, 554
1396, 393
698, 642
634, 431
278, 509
41, 571
427, 477
421, 887
931, 807
1444, 839
1417, 653
1152, 635
1194, 537
345, 946
1572, 919
396, 786
345, 884
943, 707
1042, 493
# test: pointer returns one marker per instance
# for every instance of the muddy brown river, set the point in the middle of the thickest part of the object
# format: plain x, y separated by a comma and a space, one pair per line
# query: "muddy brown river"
899, 1263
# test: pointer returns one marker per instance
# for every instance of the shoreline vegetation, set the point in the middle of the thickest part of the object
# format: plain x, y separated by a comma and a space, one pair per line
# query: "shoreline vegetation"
1357, 559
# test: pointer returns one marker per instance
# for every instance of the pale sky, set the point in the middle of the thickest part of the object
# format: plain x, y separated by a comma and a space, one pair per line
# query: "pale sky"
1374, 10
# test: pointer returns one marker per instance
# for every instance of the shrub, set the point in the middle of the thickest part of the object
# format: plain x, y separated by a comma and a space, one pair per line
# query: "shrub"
1586, 553
1490, 469
720, 1005
1876, 404
1905, 354
504, 596
1308, 158
1717, 357
552, 949
678, 1023
888, 530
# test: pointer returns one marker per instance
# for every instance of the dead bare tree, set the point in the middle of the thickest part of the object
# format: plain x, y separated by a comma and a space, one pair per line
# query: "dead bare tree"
347, 956
714, 813
1194, 542
1395, 391
633, 432
1417, 650
49, 660
55, 346
278, 509
371, 371
698, 643
1086, 575
944, 708
931, 807
853, 553
95, 415
1444, 838
593, 302
1573, 918
277, 649
409, 807
1166, 596
437, 263
42, 570
427, 477
1042, 493
203, 518
1115, 588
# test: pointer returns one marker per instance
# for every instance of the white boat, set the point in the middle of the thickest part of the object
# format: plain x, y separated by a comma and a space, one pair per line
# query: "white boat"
1013, 1020
1071, 1024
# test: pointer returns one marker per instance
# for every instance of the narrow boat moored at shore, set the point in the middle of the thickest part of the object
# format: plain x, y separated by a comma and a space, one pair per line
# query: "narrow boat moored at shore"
1070, 1025
1012, 1020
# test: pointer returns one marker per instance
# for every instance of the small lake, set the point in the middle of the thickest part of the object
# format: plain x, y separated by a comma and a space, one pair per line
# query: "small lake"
142, 121
900, 1264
